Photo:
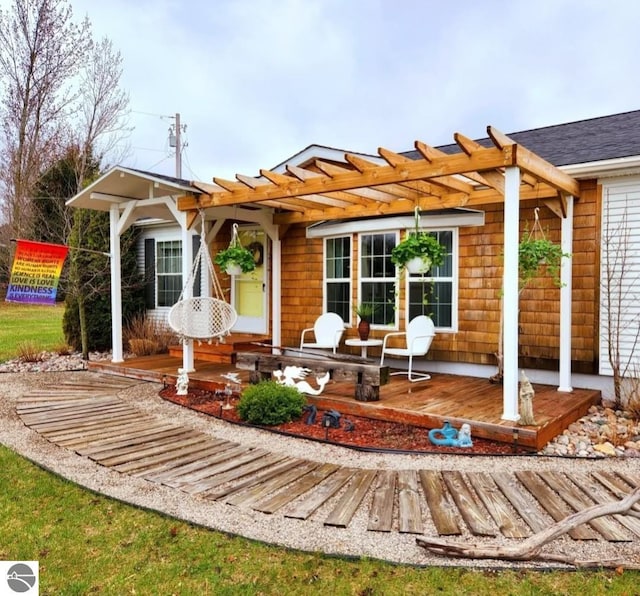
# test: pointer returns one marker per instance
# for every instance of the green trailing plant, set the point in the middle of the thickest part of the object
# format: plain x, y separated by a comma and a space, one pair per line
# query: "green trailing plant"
419, 244
269, 403
236, 254
536, 255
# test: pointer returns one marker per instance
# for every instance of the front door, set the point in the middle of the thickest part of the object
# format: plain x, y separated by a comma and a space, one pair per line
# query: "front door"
249, 290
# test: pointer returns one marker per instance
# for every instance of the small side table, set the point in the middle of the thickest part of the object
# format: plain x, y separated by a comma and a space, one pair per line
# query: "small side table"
363, 345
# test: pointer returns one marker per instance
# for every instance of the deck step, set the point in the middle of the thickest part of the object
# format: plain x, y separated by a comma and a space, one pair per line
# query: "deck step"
224, 352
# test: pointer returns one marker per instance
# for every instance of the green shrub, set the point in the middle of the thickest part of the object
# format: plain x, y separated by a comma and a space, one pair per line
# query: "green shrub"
270, 403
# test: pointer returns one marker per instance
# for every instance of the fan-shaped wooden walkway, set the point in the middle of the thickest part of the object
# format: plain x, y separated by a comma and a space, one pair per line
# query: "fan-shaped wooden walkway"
92, 420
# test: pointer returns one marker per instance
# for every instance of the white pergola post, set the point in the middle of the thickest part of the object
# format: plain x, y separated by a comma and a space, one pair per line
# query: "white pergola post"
566, 272
116, 286
510, 296
187, 264
276, 289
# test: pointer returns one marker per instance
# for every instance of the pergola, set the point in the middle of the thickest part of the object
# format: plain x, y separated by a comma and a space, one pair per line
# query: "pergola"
476, 175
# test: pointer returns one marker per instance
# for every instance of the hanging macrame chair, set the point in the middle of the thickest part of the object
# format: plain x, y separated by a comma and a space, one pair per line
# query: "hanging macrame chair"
202, 317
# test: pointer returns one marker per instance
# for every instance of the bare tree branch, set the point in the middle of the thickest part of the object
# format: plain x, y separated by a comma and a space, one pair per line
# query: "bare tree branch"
530, 549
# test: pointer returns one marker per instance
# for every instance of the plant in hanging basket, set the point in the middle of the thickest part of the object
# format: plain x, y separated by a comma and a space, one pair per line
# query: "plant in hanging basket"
418, 252
236, 255
535, 254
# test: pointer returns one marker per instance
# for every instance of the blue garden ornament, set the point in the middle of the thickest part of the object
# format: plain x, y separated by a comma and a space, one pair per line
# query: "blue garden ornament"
449, 436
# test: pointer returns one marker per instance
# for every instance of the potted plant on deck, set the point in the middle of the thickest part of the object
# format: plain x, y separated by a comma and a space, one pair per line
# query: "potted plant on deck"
235, 259
365, 311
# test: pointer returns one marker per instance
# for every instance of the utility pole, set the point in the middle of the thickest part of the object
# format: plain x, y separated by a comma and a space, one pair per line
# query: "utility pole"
175, 140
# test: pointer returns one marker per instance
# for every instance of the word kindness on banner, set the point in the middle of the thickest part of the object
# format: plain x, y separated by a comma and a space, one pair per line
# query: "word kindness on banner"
36, 272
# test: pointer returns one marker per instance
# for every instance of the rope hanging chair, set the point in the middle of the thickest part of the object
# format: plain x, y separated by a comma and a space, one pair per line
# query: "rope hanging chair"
202, 317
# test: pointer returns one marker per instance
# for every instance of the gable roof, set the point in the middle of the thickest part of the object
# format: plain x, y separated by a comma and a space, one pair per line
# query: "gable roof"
584, 141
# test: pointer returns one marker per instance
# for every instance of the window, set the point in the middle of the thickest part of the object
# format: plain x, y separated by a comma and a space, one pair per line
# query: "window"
378, 276
169, 271
433, 293
338, 276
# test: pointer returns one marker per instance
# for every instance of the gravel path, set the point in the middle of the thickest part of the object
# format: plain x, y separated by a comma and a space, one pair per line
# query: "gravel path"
309, 535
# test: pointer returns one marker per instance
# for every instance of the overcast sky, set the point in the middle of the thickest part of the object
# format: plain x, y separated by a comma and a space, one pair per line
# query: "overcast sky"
256, 81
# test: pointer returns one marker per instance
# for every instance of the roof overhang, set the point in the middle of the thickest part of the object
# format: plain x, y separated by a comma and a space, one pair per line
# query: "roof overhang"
322, 189
121, 186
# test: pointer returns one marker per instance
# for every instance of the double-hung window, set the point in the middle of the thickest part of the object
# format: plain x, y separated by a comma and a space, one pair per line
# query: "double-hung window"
378, 276
169, 271
432, 294
338, 276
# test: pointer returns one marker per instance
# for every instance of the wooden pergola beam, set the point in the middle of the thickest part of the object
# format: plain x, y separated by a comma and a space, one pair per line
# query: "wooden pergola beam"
533, 164
488, 159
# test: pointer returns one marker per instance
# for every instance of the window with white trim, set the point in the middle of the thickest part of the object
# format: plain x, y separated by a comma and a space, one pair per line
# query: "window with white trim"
378, 277
168, 271
337, 287
433, 293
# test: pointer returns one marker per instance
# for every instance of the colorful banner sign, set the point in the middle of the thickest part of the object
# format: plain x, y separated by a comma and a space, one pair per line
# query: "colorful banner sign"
36, 272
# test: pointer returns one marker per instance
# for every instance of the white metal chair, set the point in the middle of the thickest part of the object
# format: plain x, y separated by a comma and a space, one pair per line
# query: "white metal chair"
327, 332
419, 335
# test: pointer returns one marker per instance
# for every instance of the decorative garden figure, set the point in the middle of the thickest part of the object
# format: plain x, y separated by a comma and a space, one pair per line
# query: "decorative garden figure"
447, 435
464, 436
526, 401
182, 382
295, 376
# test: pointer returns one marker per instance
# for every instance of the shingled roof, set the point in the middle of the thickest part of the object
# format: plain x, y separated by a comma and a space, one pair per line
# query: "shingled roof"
584, 141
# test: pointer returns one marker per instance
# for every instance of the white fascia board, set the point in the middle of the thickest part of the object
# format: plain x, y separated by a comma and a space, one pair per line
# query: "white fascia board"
623, 166
434, 221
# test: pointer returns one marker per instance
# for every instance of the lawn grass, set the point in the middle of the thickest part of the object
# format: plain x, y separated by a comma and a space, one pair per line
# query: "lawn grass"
86, 543
26, 322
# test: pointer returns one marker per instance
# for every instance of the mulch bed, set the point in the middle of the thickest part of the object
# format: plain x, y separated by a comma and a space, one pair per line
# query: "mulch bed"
366, 433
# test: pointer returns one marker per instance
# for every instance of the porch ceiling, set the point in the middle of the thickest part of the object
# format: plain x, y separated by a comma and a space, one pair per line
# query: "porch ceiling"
324, 190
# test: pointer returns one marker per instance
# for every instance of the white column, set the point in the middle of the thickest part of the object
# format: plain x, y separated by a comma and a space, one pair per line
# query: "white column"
510, 289
187, 263
116, 286
566, 272
276, 289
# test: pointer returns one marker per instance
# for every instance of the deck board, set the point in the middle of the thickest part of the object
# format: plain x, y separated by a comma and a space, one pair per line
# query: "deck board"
459, 399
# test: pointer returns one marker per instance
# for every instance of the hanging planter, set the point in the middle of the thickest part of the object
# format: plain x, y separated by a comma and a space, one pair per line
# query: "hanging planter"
419, 251
536, 254
236, 259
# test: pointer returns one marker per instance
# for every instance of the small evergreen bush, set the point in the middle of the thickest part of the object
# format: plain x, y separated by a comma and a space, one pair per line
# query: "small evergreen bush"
270, 403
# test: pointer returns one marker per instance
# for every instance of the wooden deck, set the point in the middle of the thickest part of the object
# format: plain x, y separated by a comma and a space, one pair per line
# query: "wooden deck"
427, 404
90, 418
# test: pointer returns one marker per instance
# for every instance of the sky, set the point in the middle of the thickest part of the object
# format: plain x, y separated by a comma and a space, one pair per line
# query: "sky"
256, 81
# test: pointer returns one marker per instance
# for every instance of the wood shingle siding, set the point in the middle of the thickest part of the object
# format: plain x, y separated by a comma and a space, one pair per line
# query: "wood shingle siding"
479, 290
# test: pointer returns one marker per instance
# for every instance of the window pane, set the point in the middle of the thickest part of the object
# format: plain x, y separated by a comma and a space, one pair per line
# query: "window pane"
434, 299
382, 296
169, 288
337, 285
169, 272
338, 299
